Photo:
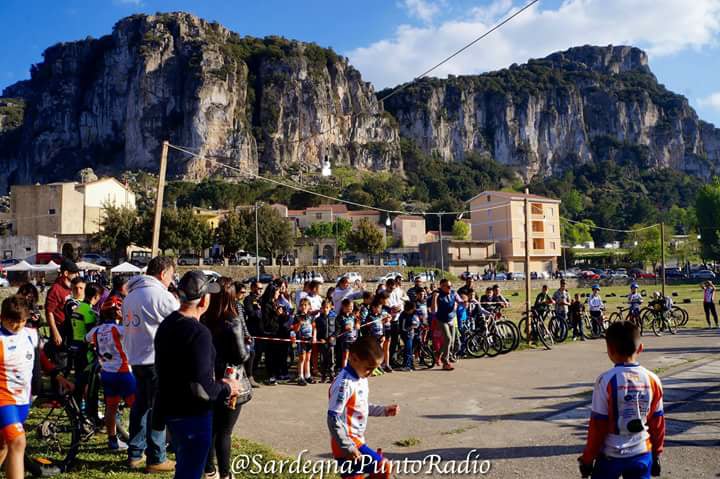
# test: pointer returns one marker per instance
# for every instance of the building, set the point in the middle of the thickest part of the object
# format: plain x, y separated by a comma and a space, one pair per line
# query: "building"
499, 216
212, 218
317, 214
68, 208
409, 230
21, 247
459, 255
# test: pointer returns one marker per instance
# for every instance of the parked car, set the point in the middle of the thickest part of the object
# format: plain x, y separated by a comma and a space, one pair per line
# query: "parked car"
243, 258
4, 283
703, 274
140, 258
390, 275
396, 262
96, 258
640, 274
351, 276
501, 277
620, 273
568, 274
321, 260
675, 273
351, 259
515, 276
589, 275
212, 274
265, 278
423, 276
469, 274
317, 277
188, 260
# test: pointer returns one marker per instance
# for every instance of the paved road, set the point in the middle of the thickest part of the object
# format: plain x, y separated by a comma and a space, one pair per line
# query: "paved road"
525, 412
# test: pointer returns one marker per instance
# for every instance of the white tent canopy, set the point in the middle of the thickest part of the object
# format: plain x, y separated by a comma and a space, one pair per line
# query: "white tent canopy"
85, 266
126, 268
21, 266
51, 266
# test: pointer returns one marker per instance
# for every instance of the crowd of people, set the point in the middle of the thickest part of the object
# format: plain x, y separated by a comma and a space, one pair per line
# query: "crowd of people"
184, 354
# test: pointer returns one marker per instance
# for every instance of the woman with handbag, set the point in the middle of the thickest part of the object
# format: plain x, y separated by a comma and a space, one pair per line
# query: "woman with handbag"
228, 332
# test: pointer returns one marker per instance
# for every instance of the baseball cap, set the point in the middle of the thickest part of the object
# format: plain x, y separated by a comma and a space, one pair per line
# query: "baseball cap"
595, 286
194, 285
69, 266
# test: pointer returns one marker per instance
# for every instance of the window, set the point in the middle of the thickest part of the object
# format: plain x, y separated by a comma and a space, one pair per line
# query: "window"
537, 226
488, 198
490, 232
539, 244
536, 208
552, 228
51, 211
552, 245
318, 216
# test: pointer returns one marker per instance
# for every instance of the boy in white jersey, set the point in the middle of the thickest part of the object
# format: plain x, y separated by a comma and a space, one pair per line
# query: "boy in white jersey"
18, 353
627, 426
117, 379
349, 409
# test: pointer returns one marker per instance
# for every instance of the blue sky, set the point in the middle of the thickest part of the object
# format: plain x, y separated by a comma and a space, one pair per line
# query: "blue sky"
390, 41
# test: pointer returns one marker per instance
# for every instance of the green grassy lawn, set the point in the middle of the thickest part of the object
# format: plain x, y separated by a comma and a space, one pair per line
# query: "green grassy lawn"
95, 461
693, 292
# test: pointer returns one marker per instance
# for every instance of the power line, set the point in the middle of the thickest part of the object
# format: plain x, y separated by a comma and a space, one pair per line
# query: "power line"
567, 220
400, 88
414, 212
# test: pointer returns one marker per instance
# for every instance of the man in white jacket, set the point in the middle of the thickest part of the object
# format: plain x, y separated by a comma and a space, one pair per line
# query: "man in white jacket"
343, 290
147, 304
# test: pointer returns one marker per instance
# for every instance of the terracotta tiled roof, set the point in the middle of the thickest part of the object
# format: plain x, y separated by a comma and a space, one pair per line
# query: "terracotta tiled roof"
511, 194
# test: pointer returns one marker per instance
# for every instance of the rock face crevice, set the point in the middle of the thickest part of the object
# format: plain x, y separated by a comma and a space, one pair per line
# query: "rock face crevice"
581, 105
256, 104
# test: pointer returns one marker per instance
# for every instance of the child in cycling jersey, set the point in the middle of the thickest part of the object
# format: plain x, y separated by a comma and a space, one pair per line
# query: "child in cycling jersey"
348, 410
409, 323
635, 300
347, 329
596, 307
117, 379
18, 346
627, 425
303, 328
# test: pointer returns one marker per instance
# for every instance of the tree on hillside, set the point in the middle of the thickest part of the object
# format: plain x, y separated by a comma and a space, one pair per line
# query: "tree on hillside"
646, 245
231, 233
366, 239
461, 230
576, 233
182, 230
707, 209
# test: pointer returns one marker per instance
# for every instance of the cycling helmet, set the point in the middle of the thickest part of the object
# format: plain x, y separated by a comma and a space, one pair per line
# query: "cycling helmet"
634, 286
596, 287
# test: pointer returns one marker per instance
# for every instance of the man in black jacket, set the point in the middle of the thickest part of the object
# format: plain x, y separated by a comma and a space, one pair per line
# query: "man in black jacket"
253, 319
187, 386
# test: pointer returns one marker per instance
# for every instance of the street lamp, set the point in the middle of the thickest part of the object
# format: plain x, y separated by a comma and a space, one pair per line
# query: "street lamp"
257, 242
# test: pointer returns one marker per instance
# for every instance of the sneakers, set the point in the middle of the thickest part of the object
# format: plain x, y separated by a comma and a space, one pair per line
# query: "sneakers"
378, 372
167, 466
387, 368
135, 463
271, 381
115, 444
310, 380
301, 382
448, 367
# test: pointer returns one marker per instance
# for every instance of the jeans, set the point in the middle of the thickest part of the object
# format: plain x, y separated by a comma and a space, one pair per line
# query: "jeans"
146, 435
394, 337
637, 467
710, 308
223, 422
191, 437
448, 331
408, 339
577, 325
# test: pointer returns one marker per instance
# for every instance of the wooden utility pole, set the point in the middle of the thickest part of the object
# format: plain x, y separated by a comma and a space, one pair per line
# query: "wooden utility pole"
528, 290
159, 200
442, 252
662, 257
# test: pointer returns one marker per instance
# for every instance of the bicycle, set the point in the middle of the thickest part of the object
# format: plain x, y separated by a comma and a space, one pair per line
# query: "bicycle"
537, 329
484, 340
618, 314
506, 328
422, 349
558, 327
663, 321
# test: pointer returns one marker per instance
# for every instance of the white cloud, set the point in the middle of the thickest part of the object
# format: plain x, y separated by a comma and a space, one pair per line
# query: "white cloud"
424, 10
661, 27
711, 101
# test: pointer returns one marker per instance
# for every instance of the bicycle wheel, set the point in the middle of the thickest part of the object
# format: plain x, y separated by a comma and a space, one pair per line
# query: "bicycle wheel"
587, 331
95, 406
681, 316
543, 334
510, 335
426, 356
492, 344
671, 323
475, 345
659, 325
559, 329
522, 328
615, 316
58, 432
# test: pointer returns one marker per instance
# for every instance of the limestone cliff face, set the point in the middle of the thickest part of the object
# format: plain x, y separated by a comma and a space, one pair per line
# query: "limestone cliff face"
259, 105
584, 104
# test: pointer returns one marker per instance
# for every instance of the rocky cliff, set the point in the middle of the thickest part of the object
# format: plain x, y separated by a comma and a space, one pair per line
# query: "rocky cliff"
258, 104
584, 104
